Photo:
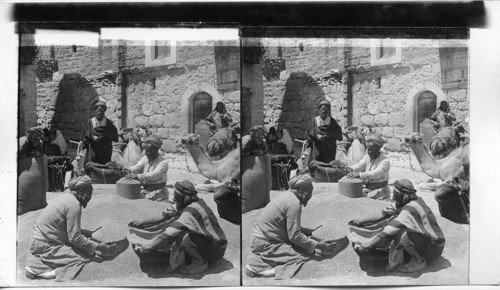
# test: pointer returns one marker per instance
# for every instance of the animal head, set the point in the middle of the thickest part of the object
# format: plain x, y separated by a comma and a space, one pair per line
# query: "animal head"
190, 139
413, 138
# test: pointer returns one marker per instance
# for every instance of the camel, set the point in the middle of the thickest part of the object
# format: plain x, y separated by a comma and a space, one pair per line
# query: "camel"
455, 165
223, 170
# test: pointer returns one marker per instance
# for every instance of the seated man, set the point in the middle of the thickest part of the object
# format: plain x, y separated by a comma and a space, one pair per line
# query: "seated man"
279, 245
151, 170
60, 248
373, 169
254, 144
186, 235
406, 227
31, 145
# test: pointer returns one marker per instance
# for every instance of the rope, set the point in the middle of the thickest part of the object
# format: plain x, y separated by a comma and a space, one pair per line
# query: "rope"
187, 165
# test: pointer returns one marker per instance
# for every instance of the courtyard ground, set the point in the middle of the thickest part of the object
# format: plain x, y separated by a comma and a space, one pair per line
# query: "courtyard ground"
114, 213
332, 210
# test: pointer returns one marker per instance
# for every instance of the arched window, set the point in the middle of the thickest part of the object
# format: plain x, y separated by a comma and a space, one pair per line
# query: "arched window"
201, 108
426, 106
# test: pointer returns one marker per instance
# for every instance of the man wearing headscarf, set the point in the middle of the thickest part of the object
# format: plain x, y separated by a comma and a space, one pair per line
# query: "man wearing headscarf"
60, 248
255, 143
323, 134
219, 118
443, 116
406, 227
99, 134
151, 170
280, 246
373, 169
31, 145
186, 236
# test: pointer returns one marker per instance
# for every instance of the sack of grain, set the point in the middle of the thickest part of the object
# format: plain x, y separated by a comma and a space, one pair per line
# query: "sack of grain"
351, 187
33, 180
256, 182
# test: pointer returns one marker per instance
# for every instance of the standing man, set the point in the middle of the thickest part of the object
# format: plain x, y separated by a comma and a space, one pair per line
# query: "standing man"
323, 134
98, 136
60, 248
373, 169
280, 246
151, 170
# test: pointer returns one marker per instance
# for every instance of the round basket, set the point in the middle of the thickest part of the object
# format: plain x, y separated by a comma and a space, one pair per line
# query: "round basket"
351, 187
129, 189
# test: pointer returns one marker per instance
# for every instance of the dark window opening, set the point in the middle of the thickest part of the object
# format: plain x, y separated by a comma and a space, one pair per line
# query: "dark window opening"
202, 107
426, 106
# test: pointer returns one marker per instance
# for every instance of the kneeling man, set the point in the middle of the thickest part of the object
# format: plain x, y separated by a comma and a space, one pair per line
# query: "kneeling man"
279, 245
151, 171
60, 248
407, 228
373, 169
186, 235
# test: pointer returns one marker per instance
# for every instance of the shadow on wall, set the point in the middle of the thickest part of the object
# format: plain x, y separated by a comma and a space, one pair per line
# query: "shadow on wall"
299, 105
73, 105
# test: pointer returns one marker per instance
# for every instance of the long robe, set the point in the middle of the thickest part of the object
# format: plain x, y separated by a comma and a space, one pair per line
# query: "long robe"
325, 149
205, 237
58, 242
278, 240
99, 151
415, 221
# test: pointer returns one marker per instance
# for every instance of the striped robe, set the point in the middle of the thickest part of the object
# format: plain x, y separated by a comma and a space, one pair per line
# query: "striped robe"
416, 220
198, 221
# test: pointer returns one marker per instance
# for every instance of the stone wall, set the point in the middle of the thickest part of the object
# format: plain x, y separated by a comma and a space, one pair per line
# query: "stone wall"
312, 74
383, 97
379, 92
27, 98
455, 78
157, 97
66, 103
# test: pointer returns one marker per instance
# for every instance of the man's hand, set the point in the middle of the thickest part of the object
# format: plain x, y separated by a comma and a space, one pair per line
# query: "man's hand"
136, 224
107, 249
131, 176
306, 231
327, 246
99, 139
356, 222
320, 137
353, 174
259, 152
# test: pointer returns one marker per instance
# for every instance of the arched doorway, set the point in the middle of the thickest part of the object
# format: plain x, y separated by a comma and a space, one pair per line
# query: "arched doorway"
202, 107
426, 106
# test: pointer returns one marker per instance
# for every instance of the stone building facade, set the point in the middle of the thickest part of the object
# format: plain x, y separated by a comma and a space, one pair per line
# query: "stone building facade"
163, 87
392, 95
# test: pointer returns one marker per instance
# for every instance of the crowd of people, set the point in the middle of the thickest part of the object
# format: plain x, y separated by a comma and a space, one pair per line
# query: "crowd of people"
186, 236
405, 234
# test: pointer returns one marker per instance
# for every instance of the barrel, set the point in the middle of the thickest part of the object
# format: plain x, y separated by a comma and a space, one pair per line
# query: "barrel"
129, 189
351, 187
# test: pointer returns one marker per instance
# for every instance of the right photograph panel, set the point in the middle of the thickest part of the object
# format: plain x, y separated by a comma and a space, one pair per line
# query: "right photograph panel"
355, 161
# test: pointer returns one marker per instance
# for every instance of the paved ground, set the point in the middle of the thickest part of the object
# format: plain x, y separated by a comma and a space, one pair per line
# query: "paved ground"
114, 213
333, 211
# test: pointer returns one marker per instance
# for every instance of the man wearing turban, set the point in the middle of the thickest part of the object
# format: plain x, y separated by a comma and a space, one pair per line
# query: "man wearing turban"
151, 170
99, 134
186, 236
280, 246
405, 228
373, 169
323, 134
219, 118
60, 248
255, 143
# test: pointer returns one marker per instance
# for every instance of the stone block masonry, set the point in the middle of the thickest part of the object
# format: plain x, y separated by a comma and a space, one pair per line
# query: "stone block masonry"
156, 97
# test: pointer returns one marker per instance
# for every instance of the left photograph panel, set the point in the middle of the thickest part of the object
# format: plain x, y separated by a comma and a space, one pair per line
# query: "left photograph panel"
128, 159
